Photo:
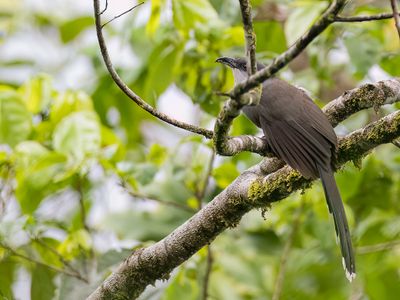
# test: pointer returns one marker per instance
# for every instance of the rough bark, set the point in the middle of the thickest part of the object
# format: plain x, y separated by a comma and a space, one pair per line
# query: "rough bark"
257, 187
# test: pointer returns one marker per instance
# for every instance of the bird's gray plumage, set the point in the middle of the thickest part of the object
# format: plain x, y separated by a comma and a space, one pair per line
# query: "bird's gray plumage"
299, 133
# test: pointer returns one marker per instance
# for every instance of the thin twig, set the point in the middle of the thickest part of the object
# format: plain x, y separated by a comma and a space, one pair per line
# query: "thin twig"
383, 16
37, 262
378, 247
202, 189
245, 7
120, 15
200, 198
396, 16
131, 94
207, 274
105, 8
56, 253
286, 250
283, 59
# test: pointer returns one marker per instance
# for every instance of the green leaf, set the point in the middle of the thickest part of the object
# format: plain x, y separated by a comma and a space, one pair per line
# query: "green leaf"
157, 154
154, 20
69, 102
15, 119
42, 286
7, 269
165, 60
145, 172
301, 18
29, 152
187, 14
270, 36
72, 28
78, 135
37, 93
225, 174
39, 179
374, 185
391, 64
182, 287
363, 58
73, 245
112, 147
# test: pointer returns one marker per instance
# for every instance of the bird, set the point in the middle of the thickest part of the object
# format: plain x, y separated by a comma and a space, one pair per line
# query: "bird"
298, 132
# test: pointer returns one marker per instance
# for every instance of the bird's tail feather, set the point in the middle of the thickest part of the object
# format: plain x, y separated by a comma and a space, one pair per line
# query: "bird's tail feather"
336, 208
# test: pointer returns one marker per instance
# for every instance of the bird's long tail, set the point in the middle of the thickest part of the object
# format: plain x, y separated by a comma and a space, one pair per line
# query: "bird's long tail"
336, 208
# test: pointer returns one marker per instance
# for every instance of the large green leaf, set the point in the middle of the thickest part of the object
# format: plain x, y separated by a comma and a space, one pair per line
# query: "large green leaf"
37, 93
270, 37
29, 152
154, 21
15, 119
225, 174
69, 102
7, 268
391, 64
75, 243
72, 28
42, 285
157, 154
78, 135
42, 177
363, 58
165, 60
187, 14
301, 18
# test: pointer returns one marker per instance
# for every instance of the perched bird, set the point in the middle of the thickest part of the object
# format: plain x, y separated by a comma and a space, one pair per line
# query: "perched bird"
298, 132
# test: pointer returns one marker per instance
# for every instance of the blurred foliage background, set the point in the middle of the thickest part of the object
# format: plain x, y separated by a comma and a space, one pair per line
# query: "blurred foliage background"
86, 176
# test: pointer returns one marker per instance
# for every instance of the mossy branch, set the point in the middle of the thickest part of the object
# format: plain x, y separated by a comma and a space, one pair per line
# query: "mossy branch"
257, 187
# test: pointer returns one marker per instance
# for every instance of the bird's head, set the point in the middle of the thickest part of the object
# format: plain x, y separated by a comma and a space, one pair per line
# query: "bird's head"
238, 66
234, 63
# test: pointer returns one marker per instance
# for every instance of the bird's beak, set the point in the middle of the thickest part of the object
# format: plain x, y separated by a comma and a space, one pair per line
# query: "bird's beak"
230, 62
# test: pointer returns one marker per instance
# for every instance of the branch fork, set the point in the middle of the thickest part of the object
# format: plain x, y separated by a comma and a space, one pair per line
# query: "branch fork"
260, 185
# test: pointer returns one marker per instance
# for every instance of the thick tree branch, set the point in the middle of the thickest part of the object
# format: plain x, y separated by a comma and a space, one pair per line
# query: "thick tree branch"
256, 187
131, 94
396, 16
366, 96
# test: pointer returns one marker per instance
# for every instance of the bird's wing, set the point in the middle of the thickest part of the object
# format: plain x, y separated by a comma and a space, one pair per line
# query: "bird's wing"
300, 145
